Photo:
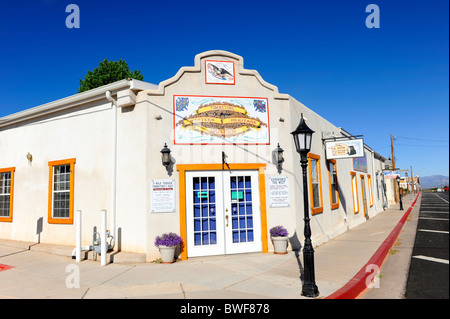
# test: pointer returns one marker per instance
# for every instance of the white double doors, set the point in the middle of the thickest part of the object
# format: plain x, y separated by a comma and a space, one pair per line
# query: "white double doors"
222, 212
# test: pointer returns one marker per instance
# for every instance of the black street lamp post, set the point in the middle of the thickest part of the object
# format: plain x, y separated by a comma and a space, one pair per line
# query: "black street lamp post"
302, 139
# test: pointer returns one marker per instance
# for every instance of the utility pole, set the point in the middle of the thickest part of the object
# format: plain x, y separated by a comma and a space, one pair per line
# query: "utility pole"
393, 167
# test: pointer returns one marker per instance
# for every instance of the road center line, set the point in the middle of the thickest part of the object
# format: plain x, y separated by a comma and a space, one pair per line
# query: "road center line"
438, 260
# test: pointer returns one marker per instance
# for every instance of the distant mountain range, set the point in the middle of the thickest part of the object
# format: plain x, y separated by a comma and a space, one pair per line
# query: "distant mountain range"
433, 181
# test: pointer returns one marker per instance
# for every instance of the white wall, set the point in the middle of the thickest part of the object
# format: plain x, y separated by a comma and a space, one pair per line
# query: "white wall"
85, 132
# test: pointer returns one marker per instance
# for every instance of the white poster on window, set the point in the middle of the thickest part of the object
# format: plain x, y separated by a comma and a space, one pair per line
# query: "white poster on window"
278, 187
163, 195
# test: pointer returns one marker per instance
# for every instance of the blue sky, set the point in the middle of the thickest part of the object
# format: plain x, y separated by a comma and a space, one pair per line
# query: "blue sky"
372, 82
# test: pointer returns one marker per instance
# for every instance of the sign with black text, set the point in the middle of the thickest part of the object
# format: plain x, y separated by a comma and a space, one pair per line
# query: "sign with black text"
278, 191
344, 149
163, 195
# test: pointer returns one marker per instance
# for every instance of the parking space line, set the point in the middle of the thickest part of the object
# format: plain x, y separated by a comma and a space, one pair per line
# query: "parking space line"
438, 260
430, 218
441, 198
432, 211
434, 231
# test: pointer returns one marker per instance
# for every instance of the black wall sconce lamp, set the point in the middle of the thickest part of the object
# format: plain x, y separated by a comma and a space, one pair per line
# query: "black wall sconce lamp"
29, 158
166, 156
279, 159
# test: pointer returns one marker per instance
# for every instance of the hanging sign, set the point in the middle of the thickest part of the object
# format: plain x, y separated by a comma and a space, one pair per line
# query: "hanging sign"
344, 149
237, 194
391, 174
278, 187
163, 195
202, 194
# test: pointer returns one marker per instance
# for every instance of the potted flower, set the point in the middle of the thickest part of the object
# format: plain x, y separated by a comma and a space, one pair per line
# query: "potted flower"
279, 239
167, 243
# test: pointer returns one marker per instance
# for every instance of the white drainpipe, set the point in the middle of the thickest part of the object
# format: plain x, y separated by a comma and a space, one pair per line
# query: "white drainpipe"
78, 239
104, 244
113, 169
374, 181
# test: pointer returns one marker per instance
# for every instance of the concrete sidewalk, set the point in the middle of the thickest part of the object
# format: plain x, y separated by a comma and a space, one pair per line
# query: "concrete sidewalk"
46, 271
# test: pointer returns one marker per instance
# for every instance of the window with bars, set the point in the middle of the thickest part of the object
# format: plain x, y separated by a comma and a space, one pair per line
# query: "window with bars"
241, 209
61, 191
204, 201
369, 186
334, 193
6, 194
315, 184
354, 192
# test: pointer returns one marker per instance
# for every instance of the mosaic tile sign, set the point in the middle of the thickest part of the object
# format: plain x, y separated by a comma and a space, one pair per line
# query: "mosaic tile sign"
220, 120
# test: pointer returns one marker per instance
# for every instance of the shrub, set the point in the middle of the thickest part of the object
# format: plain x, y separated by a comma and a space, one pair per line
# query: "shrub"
278, 231
168, 239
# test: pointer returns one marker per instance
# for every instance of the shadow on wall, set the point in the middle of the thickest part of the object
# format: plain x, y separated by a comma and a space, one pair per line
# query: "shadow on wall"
342, 200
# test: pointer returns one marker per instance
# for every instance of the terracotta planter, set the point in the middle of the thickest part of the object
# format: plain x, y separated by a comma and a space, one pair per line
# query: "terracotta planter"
167, 254
280, 245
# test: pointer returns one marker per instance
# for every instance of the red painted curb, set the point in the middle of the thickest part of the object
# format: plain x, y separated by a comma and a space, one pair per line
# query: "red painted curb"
5, 267
357, 285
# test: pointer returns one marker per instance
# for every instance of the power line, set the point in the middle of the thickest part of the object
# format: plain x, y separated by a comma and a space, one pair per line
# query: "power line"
420, 139
421, 145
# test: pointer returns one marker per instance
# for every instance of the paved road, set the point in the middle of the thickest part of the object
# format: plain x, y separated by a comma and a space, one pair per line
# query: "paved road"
429, 269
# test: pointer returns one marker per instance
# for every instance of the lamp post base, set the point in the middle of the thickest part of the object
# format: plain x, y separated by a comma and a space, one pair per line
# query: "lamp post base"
310, 290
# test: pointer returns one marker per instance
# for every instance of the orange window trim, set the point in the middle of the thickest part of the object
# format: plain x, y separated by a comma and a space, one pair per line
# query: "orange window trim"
51, 164
333, 205
182, 168
354, 192
11, 194
369, 180
319, 209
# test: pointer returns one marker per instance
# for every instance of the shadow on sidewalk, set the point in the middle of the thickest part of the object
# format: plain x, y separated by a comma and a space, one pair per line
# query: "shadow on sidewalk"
297, 248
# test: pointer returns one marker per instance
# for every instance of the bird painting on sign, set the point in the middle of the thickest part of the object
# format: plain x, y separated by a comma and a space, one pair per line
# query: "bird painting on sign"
219, 72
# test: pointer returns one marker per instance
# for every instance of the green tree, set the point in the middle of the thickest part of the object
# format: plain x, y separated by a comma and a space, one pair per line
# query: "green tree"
108, 72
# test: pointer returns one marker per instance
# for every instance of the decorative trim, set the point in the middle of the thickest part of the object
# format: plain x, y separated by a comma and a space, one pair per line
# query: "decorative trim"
51, 164
9, 218
319, 209
197, 69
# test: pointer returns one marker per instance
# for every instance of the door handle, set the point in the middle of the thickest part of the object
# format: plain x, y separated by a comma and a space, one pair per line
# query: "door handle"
226, 218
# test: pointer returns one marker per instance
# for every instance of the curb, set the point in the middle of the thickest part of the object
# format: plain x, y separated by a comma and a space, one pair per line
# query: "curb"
356, 287
5, 267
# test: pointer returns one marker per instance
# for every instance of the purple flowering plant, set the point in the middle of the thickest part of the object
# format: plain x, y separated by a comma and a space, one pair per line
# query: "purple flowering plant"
168, 239
278, 231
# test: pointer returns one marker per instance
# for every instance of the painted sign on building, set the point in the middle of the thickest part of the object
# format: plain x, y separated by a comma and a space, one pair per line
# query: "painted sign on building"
344, 149
219, 72
220, 120
360, 163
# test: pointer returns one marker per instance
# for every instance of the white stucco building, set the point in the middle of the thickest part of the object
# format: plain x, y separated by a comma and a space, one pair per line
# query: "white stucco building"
101, 149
